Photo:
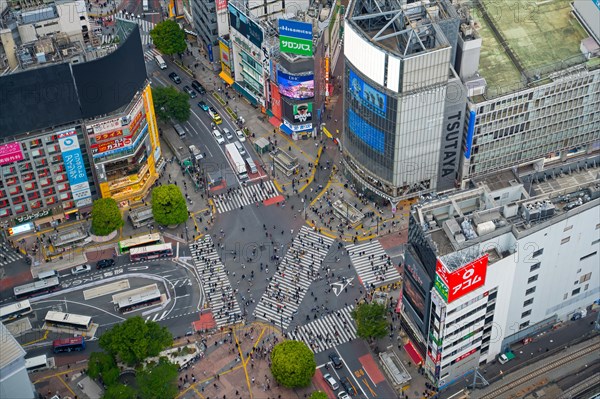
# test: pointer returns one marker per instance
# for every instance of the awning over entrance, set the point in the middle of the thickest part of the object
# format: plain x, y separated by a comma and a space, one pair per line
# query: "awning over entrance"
412, 352
226, 78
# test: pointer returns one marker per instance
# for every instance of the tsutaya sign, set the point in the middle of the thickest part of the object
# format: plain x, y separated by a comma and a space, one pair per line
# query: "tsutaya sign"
453, 285
295, 37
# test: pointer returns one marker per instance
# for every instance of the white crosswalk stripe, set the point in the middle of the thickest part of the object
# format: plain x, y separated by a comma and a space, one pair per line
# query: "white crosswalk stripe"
372, 264
145, 27
245, 195
296, 272
8, 255
149, 54
217, 288
328, 331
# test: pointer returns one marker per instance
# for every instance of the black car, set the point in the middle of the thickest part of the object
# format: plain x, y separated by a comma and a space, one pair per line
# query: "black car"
198, 87
335, 359
189, 91
104, 263
174, 77
347, 385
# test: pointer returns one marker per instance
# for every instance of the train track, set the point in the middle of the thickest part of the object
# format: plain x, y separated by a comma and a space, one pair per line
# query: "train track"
497, 393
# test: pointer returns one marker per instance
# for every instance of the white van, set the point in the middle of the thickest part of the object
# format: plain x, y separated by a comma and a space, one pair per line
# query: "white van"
251, 165
240, 148
160, 62
48, 274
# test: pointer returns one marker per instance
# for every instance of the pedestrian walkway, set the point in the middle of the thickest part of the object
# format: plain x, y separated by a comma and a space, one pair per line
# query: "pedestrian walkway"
150, 54
328, 331
8, 255
245, 195
298, 269
373, 265
217, 288
145, 26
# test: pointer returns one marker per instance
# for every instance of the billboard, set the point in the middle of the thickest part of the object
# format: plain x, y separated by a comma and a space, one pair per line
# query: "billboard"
10, 152
368, 134
298, 113
366, 95
275, 101
296, 86
297, 128
221, 5
295, 37
248, 28
453, 285
75, 168
111, 145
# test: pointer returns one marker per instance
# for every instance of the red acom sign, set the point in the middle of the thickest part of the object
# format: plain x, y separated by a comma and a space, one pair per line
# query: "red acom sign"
453, 285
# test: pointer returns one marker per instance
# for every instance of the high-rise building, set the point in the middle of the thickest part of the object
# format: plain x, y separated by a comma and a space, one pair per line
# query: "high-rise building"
14, 379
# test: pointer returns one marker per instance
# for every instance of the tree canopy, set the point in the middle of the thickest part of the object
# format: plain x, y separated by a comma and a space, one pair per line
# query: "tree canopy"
135, 339
119, 391
370, 320
103, 365
106, 217
293, 364
171, 104
168, 37
318, 395
168, 205
159, 381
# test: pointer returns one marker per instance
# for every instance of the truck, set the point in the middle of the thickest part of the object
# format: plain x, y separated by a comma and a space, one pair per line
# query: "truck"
506, 357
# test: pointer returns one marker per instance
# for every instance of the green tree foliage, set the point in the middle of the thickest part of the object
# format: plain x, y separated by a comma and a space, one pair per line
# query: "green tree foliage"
171, 104
119, 391
293, 364
168, 37
103, 365
370, 320
168, 205
318, 395
134, 340
158, 382
106, 217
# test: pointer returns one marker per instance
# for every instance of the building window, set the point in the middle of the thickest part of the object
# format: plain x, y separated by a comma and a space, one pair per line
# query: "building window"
534, 267
585, 287
523, 325
526, 313
565, 240
568, 228
538, 252
528, 302
530, 291
532, 279
565, 296
575, 291
588, 256
596, 242
585, 277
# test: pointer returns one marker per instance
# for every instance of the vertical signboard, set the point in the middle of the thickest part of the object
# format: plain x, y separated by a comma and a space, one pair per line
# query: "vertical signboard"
75, 168
453, 285
295, 37
275, 101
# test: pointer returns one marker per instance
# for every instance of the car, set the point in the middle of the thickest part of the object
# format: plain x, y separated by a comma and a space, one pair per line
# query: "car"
331, 381
198, 87
189, 91
104, 263
343, 395
335, 359
227, 133
240, 135
80, 269
213, 110
347, 385
203, 106
175, 78
506, 357
218, 136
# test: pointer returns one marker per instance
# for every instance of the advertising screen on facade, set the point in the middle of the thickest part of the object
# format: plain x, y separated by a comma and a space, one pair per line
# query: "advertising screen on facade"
248, 28
453, 285
295, 37
366, 95
371, 136
298, 113
10, 152
414, 297
295, 86
75, 168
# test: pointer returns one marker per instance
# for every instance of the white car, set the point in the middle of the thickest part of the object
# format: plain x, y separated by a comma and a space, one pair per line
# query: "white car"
218, 136
240, 135
343, 395
331, 381
227, 133
80, 269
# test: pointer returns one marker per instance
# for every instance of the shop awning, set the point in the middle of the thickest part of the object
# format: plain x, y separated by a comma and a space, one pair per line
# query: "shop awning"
285, 129
412, 352
226, 78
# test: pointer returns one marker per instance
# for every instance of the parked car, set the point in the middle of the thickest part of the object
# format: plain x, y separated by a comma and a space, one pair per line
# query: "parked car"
198, 87
80, 269
343, 395
203, 106
240, 135
104, 263
218, 136
335, 359
189, 91
331, 381
505, 357
174, 77
347, 385
227, 133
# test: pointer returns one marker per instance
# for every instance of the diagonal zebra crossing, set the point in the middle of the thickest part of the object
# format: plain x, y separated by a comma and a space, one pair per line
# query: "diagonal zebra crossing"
372, 264
8, 255
219, 293
245, 195
297, 270
328, 331
149, 54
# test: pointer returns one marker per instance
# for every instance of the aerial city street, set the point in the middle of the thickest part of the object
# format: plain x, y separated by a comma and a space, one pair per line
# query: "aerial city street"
322, 199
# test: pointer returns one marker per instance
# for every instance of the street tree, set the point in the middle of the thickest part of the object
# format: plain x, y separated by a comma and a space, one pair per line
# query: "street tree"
168, 37
120, 391
106, 217
293, 364
171, 104
158, 381
103, 365
370, 321
168, 205
318, 395
135, 339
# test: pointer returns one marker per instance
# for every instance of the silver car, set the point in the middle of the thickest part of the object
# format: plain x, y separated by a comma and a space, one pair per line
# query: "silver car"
227, 133
80, 269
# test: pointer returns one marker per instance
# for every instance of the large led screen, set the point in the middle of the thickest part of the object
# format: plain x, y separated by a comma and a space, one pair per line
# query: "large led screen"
295, 86
373, 137
366, 95
248, 28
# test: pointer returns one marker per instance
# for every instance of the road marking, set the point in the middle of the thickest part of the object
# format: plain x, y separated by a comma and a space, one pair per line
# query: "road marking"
177, 254
182, 296
106, 289
135, 268
348, 368
368, 386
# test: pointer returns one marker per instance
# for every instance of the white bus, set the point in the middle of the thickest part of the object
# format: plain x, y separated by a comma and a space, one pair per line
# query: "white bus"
138, 300
151, 252
15, 310
67, 320
237, 162
145, 5
36, 363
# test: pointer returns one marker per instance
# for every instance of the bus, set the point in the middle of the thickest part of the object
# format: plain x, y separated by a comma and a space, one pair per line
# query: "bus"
36, 288
73, 321
15, 310
68, 344
48, 274
140, 299
237, 162
36, 363
145, 5
151, 252
140, 241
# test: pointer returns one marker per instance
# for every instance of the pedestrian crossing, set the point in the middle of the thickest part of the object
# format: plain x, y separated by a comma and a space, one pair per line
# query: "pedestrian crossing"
245, 195
145, 27
216, 286
328, 331
293, 276
8, 255
372, 264
149, 54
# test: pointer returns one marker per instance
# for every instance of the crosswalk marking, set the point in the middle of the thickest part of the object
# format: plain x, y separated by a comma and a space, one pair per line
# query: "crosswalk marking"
372, 264
328, 331
293, 277
8, 255
216, 285
149, 54
245, 195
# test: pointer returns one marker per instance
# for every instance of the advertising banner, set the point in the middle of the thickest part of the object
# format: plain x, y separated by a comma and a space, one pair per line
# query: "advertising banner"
366, 95
111, 145
466, 355
123, 146
105, 126
298, 128
298, 113
221, 5
275, 101
248, 28
75, 168
294, 86
371, 136
107, 136
295, 46
296, 29
453, 285
10, 152
224, 53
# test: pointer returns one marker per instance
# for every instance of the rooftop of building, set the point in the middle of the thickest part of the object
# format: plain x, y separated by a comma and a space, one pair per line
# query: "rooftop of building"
10, 350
